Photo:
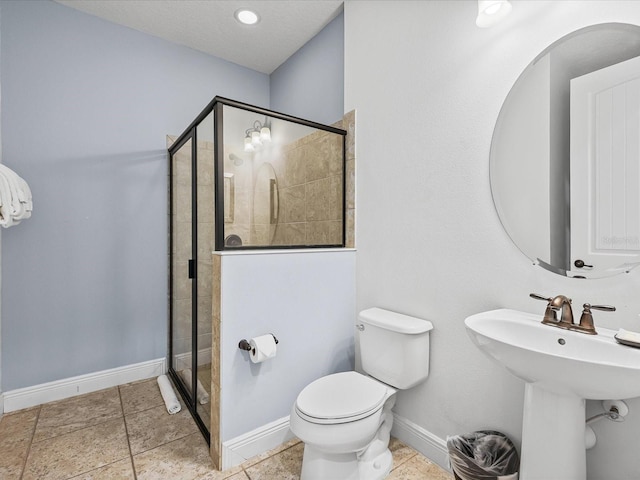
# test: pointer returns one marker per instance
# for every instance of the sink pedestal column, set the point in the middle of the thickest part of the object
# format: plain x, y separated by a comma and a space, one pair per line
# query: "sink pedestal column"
552, 436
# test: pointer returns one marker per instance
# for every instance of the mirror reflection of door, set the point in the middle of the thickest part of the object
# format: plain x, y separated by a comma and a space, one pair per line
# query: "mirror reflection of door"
605, 169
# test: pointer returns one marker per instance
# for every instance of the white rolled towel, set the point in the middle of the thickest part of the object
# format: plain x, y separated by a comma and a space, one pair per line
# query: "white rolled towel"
15, 198
6, 204
168, 395
20, 191
201, 393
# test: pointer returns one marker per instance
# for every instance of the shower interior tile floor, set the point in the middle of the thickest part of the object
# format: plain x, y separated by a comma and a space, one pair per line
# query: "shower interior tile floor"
125, 432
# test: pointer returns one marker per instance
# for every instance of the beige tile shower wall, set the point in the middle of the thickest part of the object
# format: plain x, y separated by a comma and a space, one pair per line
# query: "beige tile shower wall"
349, 124
310, 189
214, 429
206, 227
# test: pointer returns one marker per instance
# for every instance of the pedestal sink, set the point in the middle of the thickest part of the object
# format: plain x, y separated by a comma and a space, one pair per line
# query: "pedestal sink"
561, 369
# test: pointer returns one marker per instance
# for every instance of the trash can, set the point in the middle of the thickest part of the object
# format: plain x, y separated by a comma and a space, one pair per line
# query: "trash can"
483, 455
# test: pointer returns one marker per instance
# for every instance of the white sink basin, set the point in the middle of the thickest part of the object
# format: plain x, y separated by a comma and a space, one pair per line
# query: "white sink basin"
561, 369
589, 366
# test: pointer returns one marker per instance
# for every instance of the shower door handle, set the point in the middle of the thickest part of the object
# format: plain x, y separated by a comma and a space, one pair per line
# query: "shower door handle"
192, 269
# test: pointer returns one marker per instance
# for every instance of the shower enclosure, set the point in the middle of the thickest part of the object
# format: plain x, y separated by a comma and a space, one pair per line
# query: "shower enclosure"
240, 178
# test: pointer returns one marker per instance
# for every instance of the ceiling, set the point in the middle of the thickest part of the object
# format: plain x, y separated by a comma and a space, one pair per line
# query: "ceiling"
209, 25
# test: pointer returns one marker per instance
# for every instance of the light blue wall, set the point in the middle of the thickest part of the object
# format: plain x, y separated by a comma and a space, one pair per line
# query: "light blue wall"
310, 84
86, 105
312, 316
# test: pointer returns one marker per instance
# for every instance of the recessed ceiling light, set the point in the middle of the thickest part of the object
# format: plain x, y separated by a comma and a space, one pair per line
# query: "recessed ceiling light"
490, 12
247, 17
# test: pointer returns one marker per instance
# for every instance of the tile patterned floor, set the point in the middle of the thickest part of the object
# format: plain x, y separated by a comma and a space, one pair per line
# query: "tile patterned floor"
125, 432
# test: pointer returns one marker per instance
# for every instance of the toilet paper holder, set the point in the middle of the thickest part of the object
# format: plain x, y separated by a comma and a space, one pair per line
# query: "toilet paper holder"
245, 345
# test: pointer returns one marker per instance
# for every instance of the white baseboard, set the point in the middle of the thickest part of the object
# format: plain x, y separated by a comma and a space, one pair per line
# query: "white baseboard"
420, 439
91, 382
255, 442
183, 360
1, 404
267, 437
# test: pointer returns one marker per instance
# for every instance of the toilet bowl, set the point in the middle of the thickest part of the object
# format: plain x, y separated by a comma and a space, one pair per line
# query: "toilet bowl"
338, 417
345, 419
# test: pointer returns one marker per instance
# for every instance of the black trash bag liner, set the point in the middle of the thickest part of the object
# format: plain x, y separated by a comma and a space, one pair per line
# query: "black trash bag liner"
482, 455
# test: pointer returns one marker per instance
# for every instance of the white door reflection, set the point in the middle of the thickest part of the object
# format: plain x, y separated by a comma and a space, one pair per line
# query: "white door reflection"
605, 169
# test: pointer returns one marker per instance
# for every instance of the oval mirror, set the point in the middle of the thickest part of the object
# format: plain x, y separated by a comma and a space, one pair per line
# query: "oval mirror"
265, 204
565, 154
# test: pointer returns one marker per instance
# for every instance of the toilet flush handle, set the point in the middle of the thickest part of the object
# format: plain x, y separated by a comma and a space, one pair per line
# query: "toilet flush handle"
360, 327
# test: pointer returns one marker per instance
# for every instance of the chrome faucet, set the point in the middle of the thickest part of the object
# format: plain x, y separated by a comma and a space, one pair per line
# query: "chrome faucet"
562, 304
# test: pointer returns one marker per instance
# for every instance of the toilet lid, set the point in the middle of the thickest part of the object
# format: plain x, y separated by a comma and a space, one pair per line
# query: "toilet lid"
341, 395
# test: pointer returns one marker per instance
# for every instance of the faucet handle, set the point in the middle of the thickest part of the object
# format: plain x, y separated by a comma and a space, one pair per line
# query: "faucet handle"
540, 297
550, 315
586, 319
604, 308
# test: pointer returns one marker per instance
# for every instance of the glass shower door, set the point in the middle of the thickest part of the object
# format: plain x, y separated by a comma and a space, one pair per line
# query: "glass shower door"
187, 295
192, 223
182, 265
205, 228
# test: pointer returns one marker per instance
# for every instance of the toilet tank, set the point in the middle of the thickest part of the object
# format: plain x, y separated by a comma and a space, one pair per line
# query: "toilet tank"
394, 348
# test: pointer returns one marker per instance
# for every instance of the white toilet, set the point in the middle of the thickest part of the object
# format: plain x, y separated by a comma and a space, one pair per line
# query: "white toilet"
345, 419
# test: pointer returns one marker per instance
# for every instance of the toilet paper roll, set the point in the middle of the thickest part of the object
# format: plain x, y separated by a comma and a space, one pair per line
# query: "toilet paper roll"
262, 348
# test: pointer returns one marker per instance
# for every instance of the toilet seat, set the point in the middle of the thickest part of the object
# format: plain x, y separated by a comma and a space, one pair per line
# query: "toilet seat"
341, 398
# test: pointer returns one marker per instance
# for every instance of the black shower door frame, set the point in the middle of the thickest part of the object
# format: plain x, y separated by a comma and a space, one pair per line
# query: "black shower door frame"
216, 106
189, 398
